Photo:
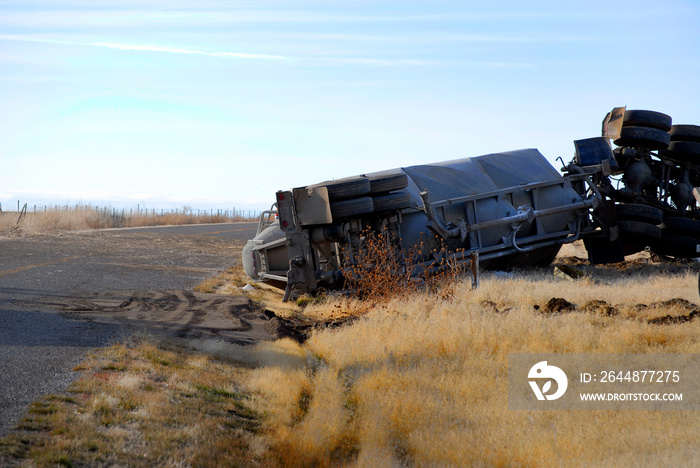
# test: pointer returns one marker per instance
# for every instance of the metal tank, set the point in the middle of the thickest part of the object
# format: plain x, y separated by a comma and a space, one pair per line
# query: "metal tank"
512, 208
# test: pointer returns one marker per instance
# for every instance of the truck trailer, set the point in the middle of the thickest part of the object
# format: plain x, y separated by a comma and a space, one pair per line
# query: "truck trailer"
510, 209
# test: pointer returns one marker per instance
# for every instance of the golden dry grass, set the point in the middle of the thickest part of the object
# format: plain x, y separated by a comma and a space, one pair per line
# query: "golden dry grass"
423, 380
419, 380
87, 217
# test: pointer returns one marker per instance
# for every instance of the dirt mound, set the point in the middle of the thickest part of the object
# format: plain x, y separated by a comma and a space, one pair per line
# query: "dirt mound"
182, 314
676, 303
557, 305
685, 310
674, 319
600, 307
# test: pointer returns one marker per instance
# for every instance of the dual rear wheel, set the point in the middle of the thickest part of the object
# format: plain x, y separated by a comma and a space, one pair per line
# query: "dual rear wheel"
645, 129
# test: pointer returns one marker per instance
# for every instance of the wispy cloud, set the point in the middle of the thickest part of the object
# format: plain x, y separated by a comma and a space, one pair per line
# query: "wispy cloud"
141, 48
175, 50
398, 62
320, 59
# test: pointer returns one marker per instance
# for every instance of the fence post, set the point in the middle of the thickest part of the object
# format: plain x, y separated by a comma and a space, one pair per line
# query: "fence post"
22, 213
475, 268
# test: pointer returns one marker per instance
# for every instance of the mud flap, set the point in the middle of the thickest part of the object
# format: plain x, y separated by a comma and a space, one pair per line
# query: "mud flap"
602, 250
605, 246
295, 276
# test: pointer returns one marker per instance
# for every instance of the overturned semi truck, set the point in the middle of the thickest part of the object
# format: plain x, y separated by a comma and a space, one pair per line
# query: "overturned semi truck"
513, 209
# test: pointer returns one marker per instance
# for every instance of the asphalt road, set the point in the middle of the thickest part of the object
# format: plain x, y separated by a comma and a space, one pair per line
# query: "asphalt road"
39, 347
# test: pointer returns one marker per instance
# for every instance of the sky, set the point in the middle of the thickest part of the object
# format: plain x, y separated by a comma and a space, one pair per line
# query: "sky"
219, 104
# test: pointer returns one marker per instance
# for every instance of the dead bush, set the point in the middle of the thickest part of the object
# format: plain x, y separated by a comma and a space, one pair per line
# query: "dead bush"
380, 270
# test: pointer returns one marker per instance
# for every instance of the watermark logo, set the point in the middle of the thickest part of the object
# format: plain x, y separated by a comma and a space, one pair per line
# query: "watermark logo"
542, 371
603, 381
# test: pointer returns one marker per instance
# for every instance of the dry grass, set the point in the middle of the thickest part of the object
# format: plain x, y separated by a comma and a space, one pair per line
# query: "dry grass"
229, 282
87, 217
142, 403
418, 380
423, 379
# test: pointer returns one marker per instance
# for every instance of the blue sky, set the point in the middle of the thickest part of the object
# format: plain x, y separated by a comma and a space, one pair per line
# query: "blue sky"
221, 103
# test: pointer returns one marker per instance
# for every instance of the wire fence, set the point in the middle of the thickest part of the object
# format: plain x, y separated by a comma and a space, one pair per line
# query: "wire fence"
44, 219
232, 213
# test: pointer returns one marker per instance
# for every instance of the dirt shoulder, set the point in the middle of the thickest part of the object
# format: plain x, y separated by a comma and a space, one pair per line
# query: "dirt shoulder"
50, 283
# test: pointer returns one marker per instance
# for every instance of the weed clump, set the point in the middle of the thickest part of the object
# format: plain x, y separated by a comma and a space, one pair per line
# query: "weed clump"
379, 270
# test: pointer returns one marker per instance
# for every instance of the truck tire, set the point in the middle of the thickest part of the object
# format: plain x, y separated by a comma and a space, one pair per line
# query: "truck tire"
388, 183
639, 229
392, 201
685, 133
685, 148
643, 213
352, 207
648, 137
345, 188
636, 235
677, 225
646, 118
677, 246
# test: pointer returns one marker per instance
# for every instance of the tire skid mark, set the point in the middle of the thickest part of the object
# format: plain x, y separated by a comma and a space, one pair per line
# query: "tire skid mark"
183, 314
